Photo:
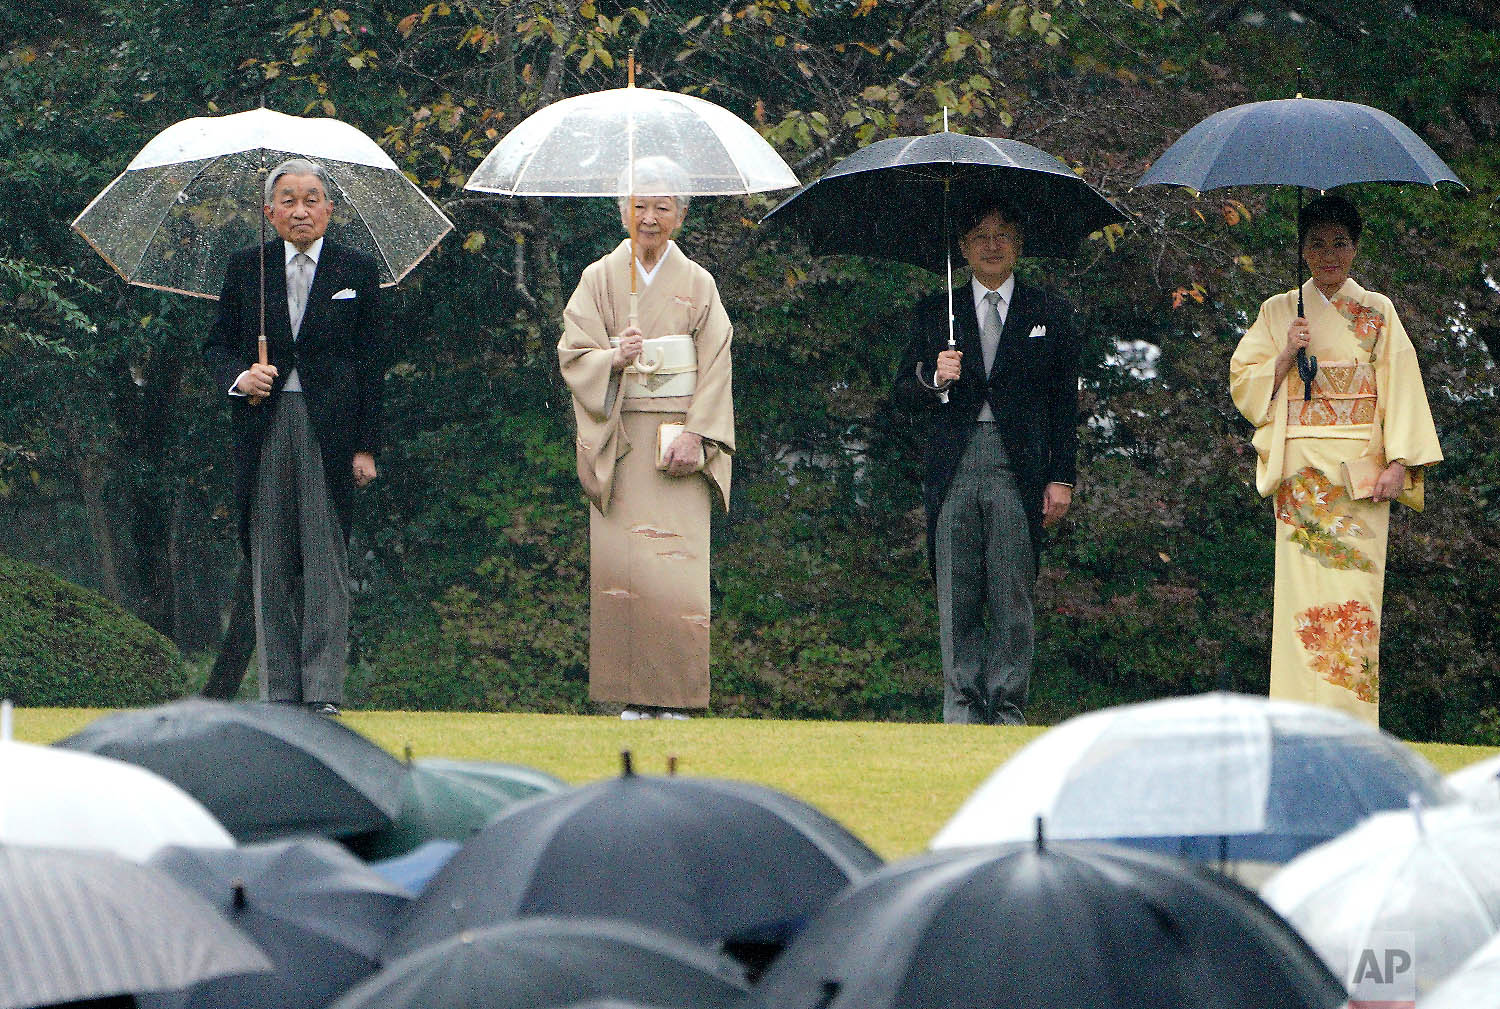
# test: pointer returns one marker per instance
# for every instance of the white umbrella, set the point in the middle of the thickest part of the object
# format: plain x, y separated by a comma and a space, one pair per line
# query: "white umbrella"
64, 799
1430, 877
1218, 776
1478, 782
589, 145
194, 193
1475, 985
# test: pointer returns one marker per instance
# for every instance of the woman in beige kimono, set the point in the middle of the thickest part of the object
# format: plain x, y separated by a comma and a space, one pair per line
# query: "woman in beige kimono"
1334, 461
650, 377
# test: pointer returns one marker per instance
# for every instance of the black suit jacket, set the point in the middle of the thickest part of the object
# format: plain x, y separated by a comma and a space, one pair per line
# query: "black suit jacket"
339, 356
1032, 391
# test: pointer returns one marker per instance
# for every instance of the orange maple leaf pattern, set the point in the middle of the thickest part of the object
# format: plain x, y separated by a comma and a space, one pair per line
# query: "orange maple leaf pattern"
1320, 512
1344, 640
1366, 322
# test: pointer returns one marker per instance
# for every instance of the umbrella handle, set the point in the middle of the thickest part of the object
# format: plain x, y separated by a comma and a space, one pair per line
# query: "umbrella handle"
941, 388
649, 367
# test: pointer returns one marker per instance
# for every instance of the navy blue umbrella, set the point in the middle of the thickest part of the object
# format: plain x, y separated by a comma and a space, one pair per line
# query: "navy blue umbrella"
1310, 143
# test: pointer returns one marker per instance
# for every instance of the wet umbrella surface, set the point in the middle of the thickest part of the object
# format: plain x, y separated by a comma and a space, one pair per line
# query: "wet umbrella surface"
265, 770
700, 858
1059, 926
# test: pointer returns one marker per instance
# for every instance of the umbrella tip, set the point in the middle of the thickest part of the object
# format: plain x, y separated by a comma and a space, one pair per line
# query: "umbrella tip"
1041, 836
627, 768
671, 764
239, 901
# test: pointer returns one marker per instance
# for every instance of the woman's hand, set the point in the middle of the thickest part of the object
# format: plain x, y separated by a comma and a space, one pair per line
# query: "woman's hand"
684, 454
1298, 336
1391, 482
631, 343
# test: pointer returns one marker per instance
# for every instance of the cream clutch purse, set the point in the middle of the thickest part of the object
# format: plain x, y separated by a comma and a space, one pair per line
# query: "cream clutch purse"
666, 434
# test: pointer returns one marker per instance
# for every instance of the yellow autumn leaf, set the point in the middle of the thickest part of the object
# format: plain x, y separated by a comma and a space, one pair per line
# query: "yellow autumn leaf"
474, 241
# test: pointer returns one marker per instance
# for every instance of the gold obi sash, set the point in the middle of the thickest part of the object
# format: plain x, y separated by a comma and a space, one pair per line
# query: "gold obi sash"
667, 368
1343, 394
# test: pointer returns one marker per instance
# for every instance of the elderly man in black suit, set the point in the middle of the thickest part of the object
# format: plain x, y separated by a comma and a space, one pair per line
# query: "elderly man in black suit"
306, 427
999, 460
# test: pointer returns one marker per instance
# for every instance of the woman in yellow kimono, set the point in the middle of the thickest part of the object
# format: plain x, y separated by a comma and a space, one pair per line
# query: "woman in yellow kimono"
1334, 462
651, 381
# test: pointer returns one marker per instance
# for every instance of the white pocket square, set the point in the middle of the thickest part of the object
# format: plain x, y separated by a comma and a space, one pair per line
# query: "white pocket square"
1036, 331
346, 293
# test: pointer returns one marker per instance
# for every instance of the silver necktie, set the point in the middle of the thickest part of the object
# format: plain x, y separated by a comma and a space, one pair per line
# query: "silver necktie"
989, 334
298, 282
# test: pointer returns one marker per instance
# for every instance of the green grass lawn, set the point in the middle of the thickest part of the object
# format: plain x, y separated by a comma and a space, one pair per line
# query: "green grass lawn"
893, 784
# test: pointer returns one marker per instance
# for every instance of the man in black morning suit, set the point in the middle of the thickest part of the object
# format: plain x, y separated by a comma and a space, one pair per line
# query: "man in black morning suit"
306, 427
999, 460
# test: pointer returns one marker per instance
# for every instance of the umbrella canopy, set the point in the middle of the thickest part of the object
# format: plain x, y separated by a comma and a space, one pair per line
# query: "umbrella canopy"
848, 209
76, 925
700, 858
452, 800
54, 798
318, 912
1478, 783
586, 145
414, 870
1475, 985
265, 770
550, 962
1432, 876
1044, 926
193, 195
1219, 776
1309, 142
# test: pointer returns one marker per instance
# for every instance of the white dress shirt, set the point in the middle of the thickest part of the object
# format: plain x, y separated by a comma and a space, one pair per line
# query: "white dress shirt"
1007, 291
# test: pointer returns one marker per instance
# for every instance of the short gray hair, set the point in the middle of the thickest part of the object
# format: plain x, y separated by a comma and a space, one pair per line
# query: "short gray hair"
655, 172
297, 166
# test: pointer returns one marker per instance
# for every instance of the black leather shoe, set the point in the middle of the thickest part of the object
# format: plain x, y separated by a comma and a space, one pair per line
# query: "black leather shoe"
324, 708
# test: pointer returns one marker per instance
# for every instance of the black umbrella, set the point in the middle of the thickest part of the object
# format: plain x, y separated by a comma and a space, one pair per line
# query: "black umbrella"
550, 962
318, 912
1047, 927
80, 925
1310, 143
706, 859
893, 200
265, 770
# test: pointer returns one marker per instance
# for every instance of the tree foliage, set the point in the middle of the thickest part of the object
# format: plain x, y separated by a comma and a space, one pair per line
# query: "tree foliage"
470, 552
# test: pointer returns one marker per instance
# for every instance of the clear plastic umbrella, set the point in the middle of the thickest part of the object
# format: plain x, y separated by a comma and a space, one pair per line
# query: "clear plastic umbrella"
1475, 985
1424, 885
1478, 782
59, 798
193, 195
1219, 776
590, 145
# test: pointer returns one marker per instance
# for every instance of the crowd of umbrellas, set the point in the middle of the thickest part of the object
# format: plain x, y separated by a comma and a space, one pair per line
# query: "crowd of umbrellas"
209, 854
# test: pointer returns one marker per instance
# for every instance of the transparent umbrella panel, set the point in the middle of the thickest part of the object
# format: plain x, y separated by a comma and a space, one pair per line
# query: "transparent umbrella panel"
173, 227
585, 146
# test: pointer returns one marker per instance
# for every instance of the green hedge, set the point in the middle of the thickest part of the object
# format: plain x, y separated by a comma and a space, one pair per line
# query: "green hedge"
64, 646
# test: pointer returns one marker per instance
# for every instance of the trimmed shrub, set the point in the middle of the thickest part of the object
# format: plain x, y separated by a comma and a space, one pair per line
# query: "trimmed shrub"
64, 646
